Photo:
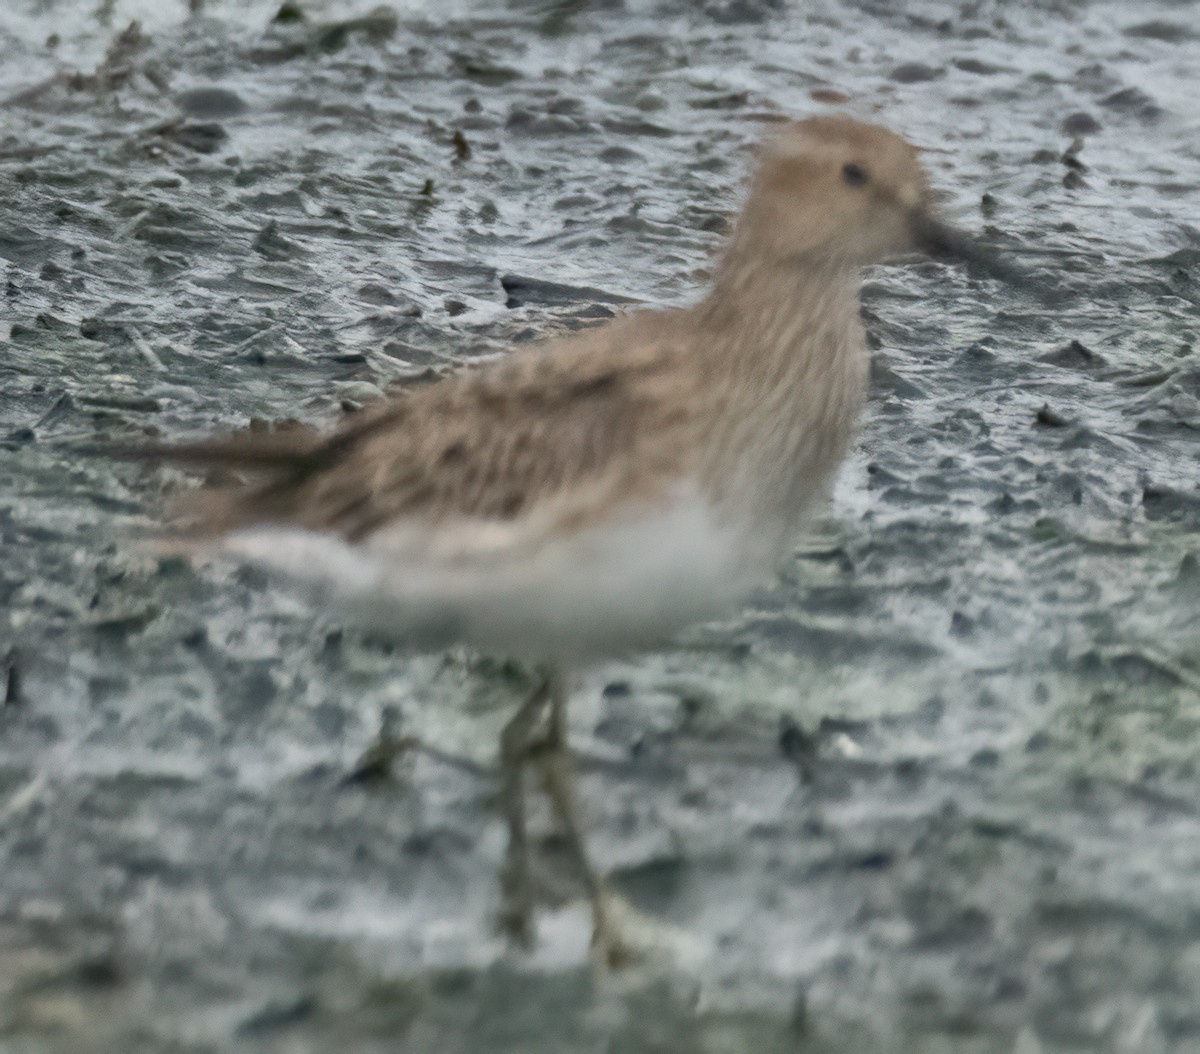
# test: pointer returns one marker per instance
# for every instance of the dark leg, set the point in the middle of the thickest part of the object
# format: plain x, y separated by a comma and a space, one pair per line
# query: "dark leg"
517, 882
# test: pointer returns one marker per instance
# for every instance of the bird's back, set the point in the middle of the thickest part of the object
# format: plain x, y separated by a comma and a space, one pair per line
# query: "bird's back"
567, 425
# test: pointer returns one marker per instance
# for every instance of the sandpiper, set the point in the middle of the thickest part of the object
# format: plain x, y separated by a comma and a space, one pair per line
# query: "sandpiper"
598, 493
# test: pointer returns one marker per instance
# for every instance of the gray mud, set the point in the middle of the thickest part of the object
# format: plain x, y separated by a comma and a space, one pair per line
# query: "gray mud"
936, 790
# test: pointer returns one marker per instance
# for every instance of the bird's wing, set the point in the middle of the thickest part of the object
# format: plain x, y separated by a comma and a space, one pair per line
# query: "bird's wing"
567, 426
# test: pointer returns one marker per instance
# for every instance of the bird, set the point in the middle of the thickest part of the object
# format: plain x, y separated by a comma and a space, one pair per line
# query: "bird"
593, 495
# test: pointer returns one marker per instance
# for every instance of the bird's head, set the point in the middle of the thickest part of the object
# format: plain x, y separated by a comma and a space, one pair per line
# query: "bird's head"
833, 189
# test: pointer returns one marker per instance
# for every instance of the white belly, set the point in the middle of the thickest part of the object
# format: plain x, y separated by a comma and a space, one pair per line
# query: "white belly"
502, 588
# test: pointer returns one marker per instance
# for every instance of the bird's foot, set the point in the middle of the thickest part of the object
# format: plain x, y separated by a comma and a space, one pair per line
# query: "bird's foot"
615, 945
517, 901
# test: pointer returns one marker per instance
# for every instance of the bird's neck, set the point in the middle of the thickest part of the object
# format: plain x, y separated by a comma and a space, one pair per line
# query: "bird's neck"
770, 324
752, 287
786, 366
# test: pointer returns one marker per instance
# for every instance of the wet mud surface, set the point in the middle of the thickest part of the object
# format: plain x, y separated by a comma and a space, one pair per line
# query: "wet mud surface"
935, 790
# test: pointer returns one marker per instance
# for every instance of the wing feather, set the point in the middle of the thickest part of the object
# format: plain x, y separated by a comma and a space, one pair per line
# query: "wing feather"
584, 418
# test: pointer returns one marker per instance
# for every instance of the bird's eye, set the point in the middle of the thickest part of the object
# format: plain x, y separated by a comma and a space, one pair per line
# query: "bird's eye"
854, 175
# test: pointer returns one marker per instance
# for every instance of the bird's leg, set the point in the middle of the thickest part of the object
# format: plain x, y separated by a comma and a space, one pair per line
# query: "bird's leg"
517, 881
558, 778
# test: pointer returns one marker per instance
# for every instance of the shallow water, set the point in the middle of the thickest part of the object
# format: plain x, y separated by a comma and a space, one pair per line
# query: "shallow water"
936, 790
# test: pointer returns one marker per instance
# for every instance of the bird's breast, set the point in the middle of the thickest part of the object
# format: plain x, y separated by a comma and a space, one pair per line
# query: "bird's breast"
790, 433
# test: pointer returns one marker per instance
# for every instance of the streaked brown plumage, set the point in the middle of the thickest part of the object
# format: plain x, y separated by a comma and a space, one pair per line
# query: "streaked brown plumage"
601, 491
618, 413
488, 444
